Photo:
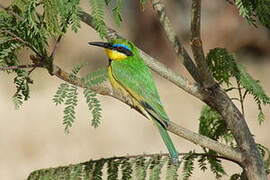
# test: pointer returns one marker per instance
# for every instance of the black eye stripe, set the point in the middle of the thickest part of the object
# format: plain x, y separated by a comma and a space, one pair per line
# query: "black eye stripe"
124, 50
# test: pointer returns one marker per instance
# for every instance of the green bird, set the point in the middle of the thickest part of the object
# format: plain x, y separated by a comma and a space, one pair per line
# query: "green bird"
129, 74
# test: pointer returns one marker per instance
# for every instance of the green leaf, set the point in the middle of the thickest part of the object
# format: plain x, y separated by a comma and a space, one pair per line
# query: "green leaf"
51, 12
112, 169
222, 64
96, 78
97, 172
141, 166
188, 165
155, 166
126, 167
246, 10
70, 104
251, 9
17, 100
61, 93
215, 164
253, 87
213, 126
202, 163
117, 11
171, 173
97, 7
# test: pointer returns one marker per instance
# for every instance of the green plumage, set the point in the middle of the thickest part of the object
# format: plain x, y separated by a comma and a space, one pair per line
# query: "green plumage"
132, 74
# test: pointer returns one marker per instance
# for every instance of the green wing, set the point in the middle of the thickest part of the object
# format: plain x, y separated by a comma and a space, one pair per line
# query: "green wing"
135, 76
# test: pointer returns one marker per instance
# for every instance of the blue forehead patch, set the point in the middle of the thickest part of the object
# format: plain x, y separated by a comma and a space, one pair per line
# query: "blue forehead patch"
122, 45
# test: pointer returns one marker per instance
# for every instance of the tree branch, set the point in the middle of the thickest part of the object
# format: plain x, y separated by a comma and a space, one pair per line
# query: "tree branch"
251, 158
196, 45
106, 89
217, 99
175, 41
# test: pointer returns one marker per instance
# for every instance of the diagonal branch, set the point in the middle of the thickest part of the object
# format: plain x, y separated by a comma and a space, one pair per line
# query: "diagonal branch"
175, 41
196, 45
106, 89
216, 98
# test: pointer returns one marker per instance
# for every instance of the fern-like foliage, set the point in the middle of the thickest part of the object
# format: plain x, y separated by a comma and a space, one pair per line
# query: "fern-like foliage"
156, 163
70, 105
98, 13
213, 126
125, 168
252, 9
97, 7
209, 156
93, 106
61, 93
223, 66
265, 153
215, 164
117, 12
68, 95
171, 173
92, 102
188, 165
140, 167
31, 24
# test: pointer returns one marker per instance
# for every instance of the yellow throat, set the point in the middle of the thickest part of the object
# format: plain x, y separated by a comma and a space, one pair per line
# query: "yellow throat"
115, 55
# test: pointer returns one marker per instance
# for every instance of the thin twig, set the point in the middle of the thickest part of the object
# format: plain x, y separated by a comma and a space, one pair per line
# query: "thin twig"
55, 46
241, 98
11, 12
196, 45
174, 39
19, 39
20, 67
235, 99
245, 94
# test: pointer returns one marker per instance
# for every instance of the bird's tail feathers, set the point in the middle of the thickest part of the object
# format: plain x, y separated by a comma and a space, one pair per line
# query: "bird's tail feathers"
169, 144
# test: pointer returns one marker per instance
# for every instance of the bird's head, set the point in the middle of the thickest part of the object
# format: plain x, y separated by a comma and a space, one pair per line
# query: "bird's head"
117, 49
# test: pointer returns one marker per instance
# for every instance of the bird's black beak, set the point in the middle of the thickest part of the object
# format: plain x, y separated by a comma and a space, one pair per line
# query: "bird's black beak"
101, 44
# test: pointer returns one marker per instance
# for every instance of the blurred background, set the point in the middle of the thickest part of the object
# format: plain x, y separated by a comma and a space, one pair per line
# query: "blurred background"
33, 137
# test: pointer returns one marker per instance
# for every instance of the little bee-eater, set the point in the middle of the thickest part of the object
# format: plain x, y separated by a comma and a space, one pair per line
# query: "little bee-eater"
129, 74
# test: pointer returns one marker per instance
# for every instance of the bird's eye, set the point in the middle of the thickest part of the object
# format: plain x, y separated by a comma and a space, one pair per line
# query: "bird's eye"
119, 47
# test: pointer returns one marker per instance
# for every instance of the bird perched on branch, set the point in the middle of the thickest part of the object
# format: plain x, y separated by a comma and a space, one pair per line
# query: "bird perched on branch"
129, 74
